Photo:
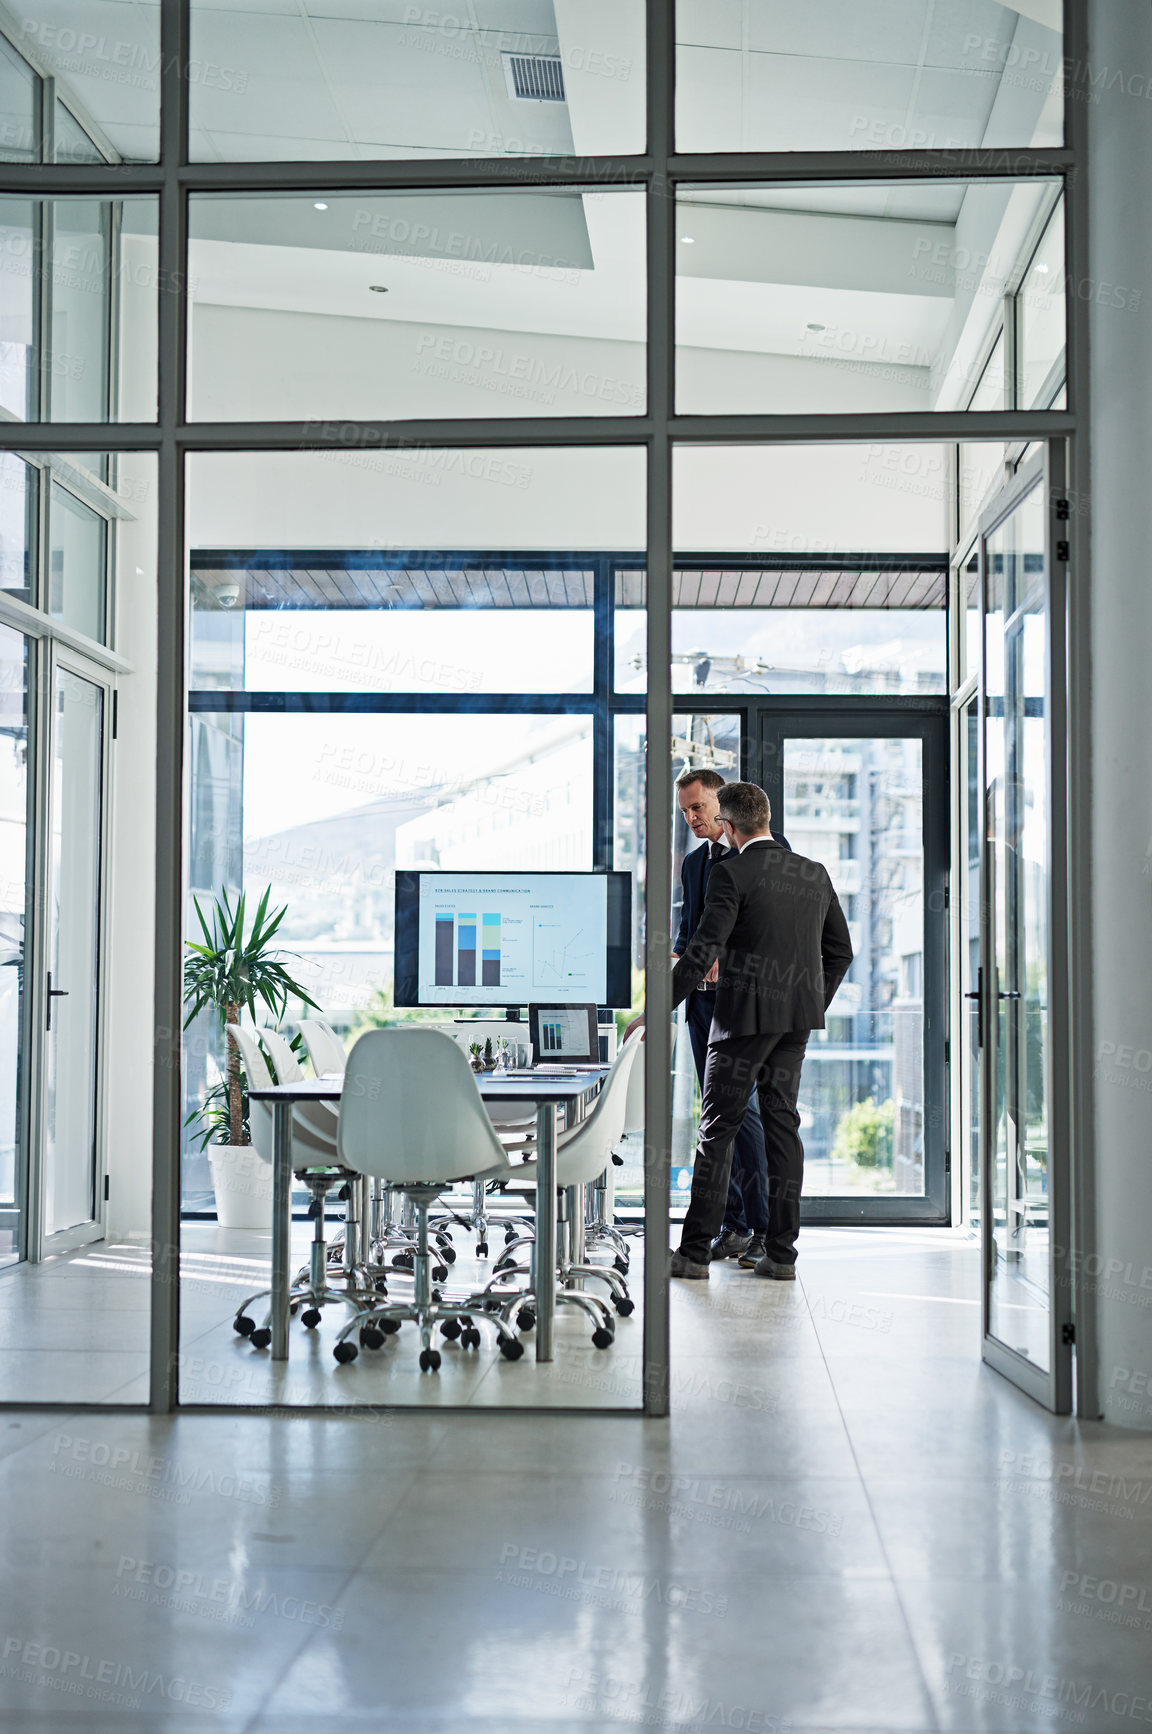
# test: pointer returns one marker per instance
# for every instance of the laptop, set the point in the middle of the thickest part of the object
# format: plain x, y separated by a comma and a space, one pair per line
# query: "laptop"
565, 1038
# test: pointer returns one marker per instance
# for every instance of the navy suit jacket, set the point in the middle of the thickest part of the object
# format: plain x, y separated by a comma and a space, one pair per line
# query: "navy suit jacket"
692, 892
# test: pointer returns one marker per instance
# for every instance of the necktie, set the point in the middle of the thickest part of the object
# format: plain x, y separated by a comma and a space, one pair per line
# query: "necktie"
715, 851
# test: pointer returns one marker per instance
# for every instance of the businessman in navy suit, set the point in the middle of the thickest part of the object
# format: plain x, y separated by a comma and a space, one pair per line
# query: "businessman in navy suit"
746, 1212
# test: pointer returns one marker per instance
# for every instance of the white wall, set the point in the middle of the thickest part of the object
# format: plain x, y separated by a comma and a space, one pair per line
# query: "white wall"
794, 499
1120, 344
812, 499
256, 362
368, 497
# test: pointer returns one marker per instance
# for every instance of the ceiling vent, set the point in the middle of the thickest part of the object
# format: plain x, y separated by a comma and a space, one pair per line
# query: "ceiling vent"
534, 77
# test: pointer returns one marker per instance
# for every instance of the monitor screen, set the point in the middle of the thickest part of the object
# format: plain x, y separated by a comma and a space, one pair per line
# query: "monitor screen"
505, 939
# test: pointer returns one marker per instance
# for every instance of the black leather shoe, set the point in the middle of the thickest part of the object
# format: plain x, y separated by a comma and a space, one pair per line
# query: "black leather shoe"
776, 1272
731, 1245
681, 1266
755, 1252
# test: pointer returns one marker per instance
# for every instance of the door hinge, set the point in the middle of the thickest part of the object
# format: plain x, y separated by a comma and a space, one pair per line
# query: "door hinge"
115, 711
1063, 510
947, 1051
1062, 552
106, 1179
1067, 1335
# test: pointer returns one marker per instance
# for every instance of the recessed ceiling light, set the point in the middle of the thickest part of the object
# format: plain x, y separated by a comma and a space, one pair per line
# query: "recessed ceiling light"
688, 240
319, 205
378, 288
812, 326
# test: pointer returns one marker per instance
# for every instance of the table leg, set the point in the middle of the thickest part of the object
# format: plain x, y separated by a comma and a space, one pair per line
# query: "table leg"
544, 1262
281, 1225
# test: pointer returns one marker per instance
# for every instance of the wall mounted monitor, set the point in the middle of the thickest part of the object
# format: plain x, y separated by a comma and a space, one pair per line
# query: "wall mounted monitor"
509, 939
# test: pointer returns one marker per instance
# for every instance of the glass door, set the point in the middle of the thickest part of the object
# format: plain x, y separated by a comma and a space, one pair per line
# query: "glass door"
1023, 1158
15, 790
864, 791
71, 1161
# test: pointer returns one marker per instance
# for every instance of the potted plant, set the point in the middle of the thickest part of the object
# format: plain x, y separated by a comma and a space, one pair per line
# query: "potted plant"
229, 972
477, 1054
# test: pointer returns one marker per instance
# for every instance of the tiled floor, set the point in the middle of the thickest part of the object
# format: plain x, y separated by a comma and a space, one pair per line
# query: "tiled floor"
848, 1524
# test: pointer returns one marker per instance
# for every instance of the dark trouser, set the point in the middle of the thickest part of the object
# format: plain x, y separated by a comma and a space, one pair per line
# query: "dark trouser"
746, 1209
771, 1064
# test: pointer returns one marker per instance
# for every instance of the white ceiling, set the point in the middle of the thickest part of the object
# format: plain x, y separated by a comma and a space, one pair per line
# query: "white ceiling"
321, 80
330, 79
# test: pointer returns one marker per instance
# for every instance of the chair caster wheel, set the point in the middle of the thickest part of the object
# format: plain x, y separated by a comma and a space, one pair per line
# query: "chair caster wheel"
429, 1360
345, 1352
311, 1318
402, 1261
450, 1329
620, 1264
243, 1325
525, 1318
447, 1253
509, 1236
440, 1272
503, 1264
371, 1337
443, 1238
470, 1337
624, 1306
601, 1338
511, 1348
481, 1249
389, 1326
260, 1339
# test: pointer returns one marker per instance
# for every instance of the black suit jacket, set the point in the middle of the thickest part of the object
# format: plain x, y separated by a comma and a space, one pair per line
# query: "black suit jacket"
692, 892
776, 925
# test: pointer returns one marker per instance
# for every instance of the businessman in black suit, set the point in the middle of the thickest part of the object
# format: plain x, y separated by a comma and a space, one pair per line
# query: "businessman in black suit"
745, 1225
773, 922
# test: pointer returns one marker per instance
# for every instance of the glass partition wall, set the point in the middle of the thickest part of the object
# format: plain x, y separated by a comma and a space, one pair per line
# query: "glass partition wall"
414, 379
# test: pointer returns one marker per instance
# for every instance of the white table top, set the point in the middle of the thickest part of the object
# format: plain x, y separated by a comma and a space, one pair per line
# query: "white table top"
528, 1087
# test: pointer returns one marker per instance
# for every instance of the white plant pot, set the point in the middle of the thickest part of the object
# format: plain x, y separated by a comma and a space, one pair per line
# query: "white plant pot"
242, 1182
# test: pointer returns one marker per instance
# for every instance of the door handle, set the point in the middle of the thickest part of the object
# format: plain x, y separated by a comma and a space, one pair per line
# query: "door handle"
978, 996
1011, 993
53, 993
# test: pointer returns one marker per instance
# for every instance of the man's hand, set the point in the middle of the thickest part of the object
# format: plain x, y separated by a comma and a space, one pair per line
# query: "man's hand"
714, 972
637, 1023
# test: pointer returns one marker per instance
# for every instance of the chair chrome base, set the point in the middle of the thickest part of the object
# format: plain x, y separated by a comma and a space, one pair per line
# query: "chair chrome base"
458, 1316
310, 1290
572, 1270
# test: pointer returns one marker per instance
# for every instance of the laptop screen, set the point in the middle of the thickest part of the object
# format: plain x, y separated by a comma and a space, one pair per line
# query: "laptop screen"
564, 1033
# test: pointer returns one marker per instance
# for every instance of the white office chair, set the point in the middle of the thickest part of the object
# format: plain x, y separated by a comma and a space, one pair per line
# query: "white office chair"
325, 1049
316, 1164
515, 1126
578, 1162
411, 1114
600, 1230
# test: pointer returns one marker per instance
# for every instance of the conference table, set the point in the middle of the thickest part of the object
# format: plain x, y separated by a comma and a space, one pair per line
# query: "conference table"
549, 1090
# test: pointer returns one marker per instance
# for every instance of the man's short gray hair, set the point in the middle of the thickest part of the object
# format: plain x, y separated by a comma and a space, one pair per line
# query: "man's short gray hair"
706, 778
745, 805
